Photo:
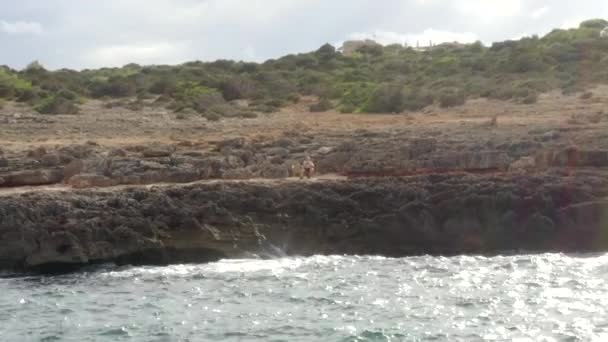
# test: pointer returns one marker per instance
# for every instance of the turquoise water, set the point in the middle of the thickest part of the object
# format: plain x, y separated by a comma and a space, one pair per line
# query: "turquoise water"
548, 297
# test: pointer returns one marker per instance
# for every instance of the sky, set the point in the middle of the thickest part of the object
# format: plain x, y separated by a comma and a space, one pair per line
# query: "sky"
81, 34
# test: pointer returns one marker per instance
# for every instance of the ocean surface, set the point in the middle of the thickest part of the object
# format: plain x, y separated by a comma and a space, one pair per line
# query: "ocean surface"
550, 297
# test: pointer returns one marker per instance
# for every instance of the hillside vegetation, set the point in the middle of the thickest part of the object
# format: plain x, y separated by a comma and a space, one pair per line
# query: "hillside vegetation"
374, 79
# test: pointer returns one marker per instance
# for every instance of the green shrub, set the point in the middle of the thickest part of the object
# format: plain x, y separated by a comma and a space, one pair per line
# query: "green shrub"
322, 106
387, 98
415, 99
190, 95
238, 88
373, 79
451, 97
57, 105
353, 96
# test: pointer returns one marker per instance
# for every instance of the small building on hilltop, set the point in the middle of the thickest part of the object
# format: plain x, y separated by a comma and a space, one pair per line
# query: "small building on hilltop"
351, 46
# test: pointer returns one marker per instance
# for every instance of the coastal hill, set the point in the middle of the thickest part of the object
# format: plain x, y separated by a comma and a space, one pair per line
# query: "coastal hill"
366, 78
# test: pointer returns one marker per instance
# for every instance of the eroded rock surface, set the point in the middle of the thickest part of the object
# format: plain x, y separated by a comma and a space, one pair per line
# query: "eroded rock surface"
436, 214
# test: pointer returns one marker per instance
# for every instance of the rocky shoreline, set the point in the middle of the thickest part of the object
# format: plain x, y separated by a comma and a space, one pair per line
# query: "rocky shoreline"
555, 210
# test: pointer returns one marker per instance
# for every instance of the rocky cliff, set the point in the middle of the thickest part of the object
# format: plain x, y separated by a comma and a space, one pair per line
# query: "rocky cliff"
435, 214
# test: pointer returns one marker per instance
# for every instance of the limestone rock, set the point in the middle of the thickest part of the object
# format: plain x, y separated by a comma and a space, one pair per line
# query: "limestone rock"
33, 177
83, 181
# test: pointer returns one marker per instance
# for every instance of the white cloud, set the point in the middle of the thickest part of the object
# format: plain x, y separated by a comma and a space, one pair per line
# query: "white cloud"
81, 34
489, 9
412, 39
20, 27
119, 55
540, 12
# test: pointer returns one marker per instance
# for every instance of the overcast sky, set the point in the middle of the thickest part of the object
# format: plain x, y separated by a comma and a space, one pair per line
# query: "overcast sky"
89, 33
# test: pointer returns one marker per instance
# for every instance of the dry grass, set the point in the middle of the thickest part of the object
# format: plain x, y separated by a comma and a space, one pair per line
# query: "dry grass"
20, 128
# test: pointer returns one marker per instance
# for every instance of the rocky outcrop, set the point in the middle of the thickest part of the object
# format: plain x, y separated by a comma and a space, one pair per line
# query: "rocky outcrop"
365, 153
35, 177
436, 214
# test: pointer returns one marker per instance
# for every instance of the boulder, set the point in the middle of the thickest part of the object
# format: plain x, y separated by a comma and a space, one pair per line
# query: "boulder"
83, 181
325, 150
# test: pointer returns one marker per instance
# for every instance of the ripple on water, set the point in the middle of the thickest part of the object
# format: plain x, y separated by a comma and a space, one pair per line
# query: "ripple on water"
554, 297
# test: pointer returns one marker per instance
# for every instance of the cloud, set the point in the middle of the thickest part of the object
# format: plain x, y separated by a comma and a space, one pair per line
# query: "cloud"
489, 9
412, 39
78, 34
119, 55
540, 12
20, 27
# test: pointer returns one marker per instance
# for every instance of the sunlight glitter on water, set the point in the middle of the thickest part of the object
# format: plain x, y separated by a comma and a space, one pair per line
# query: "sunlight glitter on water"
549, 297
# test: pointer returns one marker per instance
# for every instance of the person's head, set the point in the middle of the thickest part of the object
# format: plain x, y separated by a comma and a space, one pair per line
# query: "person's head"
307, 158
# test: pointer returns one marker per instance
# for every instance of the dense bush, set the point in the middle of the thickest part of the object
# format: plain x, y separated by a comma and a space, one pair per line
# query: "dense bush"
56, 105
387, 98
451, 97
323, 105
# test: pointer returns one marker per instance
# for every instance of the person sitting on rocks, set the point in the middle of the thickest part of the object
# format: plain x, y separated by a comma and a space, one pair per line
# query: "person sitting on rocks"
309, 167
